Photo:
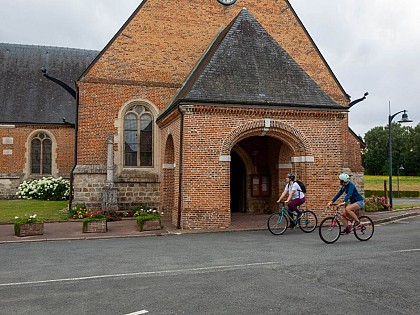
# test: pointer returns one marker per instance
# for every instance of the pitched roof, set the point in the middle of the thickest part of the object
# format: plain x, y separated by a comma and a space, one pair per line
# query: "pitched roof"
245, 65
26, 95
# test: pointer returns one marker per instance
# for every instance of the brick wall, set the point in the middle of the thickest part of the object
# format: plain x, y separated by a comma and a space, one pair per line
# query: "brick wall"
211, 132
15, 159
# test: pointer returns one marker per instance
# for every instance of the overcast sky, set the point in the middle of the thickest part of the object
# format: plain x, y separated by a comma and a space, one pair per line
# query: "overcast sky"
371, 45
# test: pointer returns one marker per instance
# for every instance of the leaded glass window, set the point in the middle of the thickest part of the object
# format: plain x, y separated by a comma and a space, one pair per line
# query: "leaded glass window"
138, 137
41, 151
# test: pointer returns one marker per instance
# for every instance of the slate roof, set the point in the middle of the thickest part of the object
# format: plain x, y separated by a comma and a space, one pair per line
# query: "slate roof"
245, 65
26, 96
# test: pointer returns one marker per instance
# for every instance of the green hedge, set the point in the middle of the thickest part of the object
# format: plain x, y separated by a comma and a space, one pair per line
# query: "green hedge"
403, 193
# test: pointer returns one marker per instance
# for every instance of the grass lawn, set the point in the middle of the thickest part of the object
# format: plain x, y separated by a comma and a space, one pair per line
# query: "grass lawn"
46, 210
410, 183
406, 183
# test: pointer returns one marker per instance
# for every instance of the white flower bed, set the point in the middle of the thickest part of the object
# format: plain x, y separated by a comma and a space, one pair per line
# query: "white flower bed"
47, 188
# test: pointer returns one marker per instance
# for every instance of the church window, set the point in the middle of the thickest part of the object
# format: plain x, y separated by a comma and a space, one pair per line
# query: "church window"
41, 152
138, 137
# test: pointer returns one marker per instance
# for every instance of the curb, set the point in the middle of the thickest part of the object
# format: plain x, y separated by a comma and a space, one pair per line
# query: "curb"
395, 218
170, 231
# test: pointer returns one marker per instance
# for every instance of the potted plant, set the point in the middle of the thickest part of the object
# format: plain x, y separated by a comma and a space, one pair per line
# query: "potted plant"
95, 222
147, 220
28, 226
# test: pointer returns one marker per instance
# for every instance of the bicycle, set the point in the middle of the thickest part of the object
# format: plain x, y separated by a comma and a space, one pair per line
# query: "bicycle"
279, 221
330, 227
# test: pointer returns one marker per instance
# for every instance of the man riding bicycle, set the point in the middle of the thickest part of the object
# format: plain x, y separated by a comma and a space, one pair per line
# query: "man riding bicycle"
295, 195
355, 199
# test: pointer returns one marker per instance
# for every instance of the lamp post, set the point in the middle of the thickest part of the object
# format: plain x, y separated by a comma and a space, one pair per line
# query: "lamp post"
401, 168
404, 119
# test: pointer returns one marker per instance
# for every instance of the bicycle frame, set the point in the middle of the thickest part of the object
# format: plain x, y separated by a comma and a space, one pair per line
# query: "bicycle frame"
284, 218
337, 216
290, 214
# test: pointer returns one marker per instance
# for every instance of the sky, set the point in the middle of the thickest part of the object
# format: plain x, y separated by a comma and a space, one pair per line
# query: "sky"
371, 46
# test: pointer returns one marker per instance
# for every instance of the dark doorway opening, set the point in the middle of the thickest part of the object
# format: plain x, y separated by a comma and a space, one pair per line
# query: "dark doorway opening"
237, 184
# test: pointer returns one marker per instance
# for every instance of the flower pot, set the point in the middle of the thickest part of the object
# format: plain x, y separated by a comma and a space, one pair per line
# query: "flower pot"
99, 226
149, 225
29, 229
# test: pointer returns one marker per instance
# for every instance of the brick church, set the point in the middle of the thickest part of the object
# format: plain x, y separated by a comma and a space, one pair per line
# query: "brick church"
201, 109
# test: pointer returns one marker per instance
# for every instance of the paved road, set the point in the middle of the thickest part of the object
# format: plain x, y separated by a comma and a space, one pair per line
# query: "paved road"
249, 272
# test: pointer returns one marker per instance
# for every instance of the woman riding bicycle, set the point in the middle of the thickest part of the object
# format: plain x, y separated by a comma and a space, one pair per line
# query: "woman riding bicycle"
295, 195
356, 200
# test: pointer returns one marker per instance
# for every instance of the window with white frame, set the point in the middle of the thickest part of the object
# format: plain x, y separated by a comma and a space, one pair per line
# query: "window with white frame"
138, 137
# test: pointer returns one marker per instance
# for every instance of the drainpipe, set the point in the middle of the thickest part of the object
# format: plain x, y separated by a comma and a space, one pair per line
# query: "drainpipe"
75, 94
181, 142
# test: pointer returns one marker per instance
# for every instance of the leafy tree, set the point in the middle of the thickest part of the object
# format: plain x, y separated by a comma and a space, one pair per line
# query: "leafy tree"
405, 150
375, 155
411, 154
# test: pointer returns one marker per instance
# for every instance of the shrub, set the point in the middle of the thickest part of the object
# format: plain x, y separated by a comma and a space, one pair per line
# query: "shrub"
47, 188
375, 203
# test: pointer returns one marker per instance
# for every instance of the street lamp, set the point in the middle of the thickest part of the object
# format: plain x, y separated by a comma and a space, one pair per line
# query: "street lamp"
404, 119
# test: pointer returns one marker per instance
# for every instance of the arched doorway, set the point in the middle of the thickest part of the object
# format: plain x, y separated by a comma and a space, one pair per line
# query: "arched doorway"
254, 177
168, 187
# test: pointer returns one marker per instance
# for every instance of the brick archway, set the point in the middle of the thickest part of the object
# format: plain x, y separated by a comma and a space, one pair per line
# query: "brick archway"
274, 128
287, 143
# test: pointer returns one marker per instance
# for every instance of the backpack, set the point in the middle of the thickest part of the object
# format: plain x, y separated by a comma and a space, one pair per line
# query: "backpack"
302, 186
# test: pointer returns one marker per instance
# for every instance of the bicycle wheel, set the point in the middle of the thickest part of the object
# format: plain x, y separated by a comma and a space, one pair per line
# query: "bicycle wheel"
277, 223
365, 229
308, 221
329, 230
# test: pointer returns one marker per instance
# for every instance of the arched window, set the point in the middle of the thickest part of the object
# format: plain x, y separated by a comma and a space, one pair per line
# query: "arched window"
138, 137
41, 151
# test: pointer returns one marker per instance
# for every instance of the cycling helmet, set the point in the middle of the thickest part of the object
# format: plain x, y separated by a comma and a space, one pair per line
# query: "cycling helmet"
344, 177
291, 176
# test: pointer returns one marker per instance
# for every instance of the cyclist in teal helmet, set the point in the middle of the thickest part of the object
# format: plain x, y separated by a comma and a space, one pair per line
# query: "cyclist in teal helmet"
353, 200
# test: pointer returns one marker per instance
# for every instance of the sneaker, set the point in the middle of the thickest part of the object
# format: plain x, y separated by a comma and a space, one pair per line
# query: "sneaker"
346, 231
356, 223
292, 225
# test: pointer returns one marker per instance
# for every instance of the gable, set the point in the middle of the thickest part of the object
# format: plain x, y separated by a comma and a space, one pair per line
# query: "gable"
161, 43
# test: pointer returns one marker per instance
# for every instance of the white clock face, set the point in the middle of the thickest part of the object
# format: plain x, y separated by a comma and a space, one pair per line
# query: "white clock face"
227, 2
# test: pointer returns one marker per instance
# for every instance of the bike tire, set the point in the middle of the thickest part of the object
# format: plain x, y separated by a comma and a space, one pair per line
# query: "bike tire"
308, 221
364, 231
329, 230
277, 223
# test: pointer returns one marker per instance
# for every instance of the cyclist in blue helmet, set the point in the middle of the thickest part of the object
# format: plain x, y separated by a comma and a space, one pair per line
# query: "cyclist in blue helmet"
353, 200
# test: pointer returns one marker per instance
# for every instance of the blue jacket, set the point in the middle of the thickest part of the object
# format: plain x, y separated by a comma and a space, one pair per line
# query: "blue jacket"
351, 193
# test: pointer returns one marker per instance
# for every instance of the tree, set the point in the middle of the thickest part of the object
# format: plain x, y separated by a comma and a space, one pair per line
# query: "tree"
411, 155
375, 154
405, 150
